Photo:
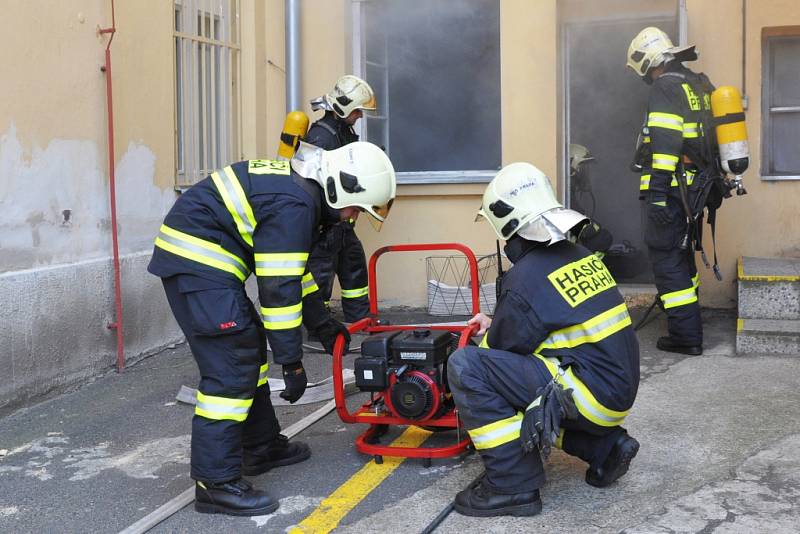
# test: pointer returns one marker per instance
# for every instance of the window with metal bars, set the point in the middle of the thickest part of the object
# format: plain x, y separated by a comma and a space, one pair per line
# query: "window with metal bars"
780, 159
207, 98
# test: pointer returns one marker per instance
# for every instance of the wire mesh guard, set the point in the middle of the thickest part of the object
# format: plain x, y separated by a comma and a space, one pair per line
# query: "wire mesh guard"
449, 287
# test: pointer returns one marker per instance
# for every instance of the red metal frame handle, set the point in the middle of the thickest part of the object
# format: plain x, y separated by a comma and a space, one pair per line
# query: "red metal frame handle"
473, 269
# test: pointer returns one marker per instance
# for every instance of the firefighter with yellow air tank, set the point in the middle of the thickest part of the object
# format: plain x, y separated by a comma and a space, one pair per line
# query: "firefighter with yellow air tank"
680, 158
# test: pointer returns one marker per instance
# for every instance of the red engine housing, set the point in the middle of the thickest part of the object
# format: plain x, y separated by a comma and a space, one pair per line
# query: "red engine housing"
430, 407
415, 395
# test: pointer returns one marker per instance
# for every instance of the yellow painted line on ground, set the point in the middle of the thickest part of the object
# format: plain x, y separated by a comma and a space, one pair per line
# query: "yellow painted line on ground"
339, 503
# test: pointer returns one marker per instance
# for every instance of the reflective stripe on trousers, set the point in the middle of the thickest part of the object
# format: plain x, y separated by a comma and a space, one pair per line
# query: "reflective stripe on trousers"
496, 433
355, 293
682, 297
220, 408
262, 375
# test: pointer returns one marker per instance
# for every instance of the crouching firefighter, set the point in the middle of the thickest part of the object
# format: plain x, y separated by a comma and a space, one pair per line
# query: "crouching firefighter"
338, 251
682, 176
256, 216
559, 364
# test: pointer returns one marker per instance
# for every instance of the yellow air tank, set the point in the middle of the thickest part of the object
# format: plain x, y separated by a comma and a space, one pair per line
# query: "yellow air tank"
294, 128
734, 152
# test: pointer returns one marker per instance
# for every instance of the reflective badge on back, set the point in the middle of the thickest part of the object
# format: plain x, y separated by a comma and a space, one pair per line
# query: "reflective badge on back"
581, 280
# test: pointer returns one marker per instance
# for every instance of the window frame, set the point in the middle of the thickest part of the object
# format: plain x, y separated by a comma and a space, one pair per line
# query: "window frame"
416, 177
206, 78
769, 36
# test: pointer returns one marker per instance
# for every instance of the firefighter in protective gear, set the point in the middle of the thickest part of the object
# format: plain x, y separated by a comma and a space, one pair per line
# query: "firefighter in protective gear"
338, 251
591, 235
561, 328
256, 216
674, 156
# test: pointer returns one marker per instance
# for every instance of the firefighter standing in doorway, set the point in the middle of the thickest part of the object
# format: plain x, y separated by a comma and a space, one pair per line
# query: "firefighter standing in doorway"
338, 251
256, 216
559, 365
671, 155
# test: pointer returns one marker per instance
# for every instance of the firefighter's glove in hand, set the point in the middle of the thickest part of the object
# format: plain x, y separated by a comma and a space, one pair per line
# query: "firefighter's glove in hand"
329, 331
657, 208
541, 423
295, 380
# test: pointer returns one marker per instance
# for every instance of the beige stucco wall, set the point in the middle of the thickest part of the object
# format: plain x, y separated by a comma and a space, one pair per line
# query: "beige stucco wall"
766, 221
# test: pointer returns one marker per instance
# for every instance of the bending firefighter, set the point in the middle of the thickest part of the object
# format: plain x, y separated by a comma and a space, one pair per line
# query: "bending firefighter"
338, 251
559, 364
673, 156
256, 216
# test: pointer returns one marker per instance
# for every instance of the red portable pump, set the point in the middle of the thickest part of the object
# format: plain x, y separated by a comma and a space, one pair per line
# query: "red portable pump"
405, 369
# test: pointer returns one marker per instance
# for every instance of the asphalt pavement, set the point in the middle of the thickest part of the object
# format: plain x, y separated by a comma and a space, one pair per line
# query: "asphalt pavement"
720, 452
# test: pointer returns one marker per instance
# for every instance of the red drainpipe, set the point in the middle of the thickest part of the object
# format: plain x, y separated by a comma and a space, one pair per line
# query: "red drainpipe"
117, 325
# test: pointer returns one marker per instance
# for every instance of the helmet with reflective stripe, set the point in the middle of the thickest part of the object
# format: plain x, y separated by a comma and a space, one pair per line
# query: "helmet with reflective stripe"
349, 94
652, 48
520, 200
577, 155
358, 174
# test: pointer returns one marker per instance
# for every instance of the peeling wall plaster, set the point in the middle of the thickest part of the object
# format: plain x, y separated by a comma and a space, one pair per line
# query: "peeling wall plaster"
54, 202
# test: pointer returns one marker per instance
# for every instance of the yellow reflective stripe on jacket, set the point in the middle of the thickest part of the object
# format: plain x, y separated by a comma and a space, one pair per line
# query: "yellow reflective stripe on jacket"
262, 375
585, 401
665, 162
309, 285
696, 281
691, 130
670, 121
281, 264
236, 201
497, 433
355, 293
484, 344
221, 408
644, 181
282, 318
595, 329
201, 251
679, 298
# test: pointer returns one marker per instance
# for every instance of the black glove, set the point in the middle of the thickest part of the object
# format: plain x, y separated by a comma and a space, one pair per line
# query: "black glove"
657, 208
295, 380
329, 331
541, 423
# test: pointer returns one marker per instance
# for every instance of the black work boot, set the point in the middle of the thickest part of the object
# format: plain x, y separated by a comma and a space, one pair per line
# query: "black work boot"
669, 344
235, 497
480, 501
616, 464
276, 453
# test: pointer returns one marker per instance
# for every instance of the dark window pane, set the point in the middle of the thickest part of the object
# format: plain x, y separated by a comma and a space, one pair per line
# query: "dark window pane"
444, 82
785, 65
784, 135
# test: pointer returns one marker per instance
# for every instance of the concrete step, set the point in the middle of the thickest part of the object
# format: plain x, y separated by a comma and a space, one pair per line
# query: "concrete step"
769, 288
768, 336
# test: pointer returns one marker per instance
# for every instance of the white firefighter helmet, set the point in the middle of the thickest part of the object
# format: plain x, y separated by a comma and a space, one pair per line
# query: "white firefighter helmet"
577, 155
350, 93
652, 48
358, 174
520, 200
